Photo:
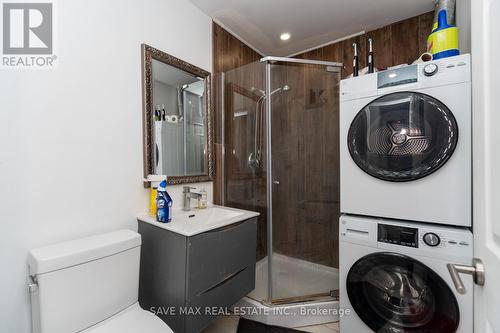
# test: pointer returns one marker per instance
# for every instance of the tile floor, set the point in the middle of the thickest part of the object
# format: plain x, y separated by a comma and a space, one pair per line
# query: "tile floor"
228, 324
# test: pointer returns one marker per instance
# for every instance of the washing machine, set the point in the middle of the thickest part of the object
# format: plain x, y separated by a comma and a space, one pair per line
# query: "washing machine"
405, 143
394, 277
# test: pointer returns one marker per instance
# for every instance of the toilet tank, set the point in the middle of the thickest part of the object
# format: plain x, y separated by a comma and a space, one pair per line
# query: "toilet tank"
79, 283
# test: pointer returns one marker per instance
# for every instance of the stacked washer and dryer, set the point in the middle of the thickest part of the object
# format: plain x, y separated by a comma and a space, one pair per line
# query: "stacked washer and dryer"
405, 167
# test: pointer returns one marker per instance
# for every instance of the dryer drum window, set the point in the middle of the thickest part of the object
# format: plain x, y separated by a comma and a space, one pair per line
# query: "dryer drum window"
402, 136
395, 293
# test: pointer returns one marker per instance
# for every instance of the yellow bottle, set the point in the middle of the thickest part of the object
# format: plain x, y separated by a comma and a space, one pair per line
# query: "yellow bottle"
152, 201
154, 180
443, 41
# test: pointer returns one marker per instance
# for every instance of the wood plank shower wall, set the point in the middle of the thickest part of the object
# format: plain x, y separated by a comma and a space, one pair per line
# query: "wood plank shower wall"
394, 44
397, 43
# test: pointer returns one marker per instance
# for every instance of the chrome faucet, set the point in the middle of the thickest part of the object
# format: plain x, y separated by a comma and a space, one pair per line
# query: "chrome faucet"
187, 195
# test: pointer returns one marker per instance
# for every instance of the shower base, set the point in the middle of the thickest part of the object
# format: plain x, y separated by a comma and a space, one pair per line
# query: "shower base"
305, 285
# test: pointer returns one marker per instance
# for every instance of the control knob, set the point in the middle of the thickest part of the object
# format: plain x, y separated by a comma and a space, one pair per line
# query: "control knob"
431, 239
430, 69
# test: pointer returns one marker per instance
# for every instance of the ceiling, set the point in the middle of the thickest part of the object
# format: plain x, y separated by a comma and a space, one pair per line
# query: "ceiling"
310, 22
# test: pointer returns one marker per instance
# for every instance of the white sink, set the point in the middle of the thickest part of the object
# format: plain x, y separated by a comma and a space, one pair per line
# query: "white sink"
197, 221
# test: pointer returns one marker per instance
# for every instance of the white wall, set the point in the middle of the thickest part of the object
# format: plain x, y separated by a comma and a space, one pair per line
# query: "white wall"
463, 21
71, 138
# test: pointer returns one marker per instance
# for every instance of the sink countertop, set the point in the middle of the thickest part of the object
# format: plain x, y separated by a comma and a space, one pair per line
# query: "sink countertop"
197, 221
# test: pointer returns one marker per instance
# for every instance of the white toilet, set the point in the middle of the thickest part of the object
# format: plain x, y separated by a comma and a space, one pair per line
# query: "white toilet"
90, 285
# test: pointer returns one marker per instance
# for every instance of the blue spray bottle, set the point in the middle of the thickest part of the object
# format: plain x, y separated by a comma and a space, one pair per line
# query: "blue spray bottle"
163, 204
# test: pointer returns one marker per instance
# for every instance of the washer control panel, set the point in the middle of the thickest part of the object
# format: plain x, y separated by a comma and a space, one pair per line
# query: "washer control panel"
397, 235
436, 73
420, 237
411, 238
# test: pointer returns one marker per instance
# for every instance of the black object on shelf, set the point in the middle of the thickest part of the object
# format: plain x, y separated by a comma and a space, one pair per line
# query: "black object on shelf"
371, 61
355, 60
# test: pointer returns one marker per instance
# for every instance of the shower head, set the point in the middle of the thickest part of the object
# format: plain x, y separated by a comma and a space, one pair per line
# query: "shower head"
262, 93
285, 88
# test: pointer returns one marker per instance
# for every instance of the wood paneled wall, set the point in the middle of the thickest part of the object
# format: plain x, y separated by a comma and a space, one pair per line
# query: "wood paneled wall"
394, 44
229, 52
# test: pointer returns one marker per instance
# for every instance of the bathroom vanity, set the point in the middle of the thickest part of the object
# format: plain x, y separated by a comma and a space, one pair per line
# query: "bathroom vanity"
202, 259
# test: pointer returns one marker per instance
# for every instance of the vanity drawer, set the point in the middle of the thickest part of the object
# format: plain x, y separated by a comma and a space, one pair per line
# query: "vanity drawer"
214, 256
219, 298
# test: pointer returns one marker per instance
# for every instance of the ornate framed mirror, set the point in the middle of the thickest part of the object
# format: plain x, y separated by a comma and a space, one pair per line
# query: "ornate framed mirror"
177, 119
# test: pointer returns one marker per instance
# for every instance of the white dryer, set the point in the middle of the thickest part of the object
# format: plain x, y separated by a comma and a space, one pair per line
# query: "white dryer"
394, 277
405, 143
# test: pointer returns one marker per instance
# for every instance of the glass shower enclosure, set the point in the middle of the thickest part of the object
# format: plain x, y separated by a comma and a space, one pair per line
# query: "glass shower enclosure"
280, 151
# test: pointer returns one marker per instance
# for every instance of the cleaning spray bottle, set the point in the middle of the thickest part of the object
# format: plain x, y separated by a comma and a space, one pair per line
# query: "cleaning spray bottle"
163, 204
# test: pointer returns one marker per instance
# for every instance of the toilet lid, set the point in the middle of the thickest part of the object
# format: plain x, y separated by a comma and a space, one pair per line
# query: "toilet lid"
131, 320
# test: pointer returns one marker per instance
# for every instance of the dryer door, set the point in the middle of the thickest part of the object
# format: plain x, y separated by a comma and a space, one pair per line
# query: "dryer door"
395, 293
402, 136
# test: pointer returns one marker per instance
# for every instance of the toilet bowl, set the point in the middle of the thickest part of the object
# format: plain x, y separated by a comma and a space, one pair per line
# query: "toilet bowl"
90, 285
131, 320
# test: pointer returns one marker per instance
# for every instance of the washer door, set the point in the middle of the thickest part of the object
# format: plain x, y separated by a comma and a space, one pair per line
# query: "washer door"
394, 293
402, 136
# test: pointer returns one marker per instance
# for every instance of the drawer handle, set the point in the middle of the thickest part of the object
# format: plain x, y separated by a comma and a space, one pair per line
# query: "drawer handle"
225, 280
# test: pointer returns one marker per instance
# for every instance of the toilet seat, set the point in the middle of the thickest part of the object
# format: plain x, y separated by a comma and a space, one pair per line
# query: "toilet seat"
131, 320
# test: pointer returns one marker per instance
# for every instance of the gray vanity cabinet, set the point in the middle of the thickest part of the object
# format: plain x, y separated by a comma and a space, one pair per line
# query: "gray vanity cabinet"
182, 277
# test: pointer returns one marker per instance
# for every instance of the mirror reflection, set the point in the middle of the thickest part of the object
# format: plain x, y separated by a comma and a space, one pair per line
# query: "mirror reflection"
179, 120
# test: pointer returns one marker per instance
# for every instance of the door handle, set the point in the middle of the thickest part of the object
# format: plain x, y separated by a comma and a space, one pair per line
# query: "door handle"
476, 270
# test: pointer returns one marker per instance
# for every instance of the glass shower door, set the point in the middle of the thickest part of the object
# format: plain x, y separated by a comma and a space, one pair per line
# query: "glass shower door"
303, 103
244, 145
280, 150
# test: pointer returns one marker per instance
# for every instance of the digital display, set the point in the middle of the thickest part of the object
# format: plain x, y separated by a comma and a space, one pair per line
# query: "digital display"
398, 235
396, 77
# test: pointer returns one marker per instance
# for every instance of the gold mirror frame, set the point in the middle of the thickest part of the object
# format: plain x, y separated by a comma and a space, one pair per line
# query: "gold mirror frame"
148, 54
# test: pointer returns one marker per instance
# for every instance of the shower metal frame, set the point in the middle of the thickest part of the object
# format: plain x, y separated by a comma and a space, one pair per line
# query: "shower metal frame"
269, 61
301, 61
